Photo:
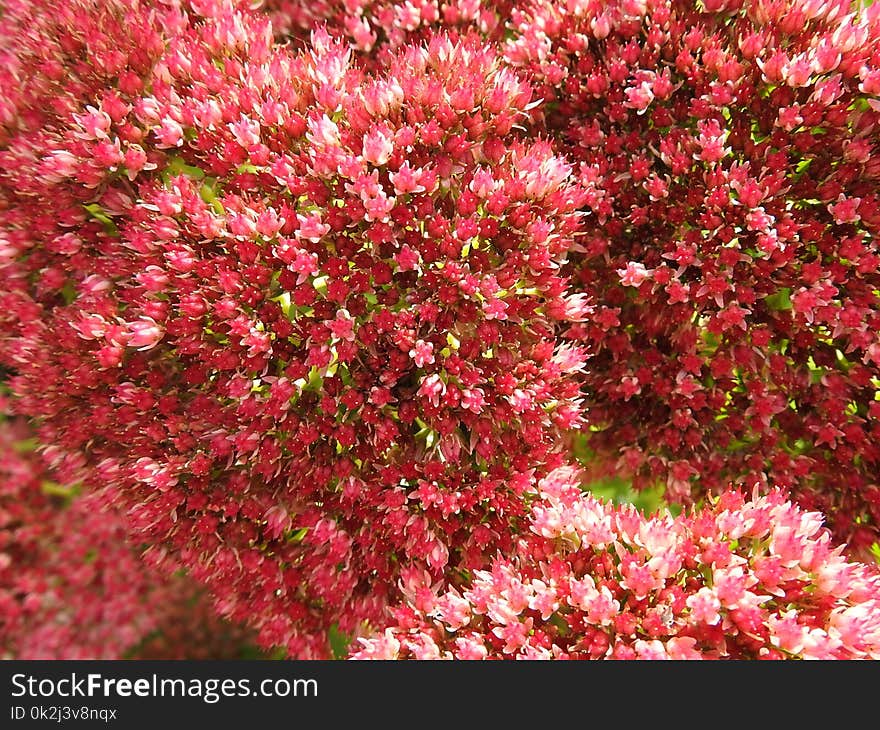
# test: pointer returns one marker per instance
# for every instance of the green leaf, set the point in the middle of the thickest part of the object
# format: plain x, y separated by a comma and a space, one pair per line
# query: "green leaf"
316, 378
68, 292
803, 164
100, 215
247, 169
26, 446
298, 535
177, 166
779, 301
208, 193
54, 489
339, 642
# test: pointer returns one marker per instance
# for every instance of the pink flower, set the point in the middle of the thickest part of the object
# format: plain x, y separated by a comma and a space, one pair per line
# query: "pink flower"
95, 123
323, 132
73, 583
432, 387
634, 274
169, 133
384, 647
573, 597
495, 309
91, 327
473, 400
422, 353
469, 648
639, 97
144, 334
311, 228
845, 210
378, 147
342, 328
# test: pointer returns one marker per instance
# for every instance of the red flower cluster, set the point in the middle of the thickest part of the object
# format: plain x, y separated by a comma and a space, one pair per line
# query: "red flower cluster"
729, 153
302, 317
315, 315
743, 579
71, 584
58, 57
374, 27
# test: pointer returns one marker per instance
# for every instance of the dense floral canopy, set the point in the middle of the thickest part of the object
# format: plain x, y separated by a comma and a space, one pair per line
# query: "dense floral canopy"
316, 298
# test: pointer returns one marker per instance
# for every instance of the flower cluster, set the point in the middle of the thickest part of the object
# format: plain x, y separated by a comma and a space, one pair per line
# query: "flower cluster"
306, 293
730, 157
71, 584
742, 579
373, 27
57, 57
750, 354
301, 317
